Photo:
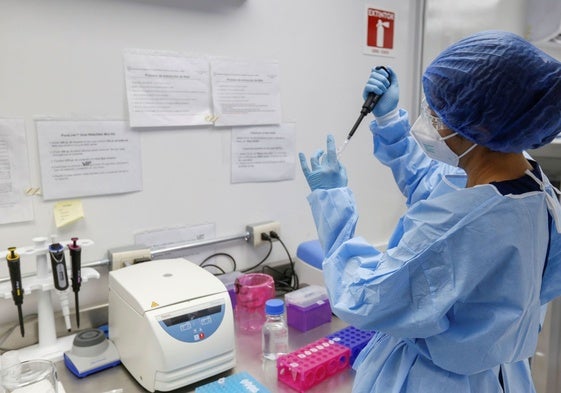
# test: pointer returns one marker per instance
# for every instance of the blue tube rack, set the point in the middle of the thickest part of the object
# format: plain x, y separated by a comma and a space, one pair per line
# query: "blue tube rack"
352, 338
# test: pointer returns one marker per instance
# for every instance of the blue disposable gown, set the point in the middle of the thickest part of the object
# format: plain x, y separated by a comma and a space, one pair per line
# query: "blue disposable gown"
457, 294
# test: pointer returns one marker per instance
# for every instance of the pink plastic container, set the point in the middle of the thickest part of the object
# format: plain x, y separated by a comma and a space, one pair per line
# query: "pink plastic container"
252, 291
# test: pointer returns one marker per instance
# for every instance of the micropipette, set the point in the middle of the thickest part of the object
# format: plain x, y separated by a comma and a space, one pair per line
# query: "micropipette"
58, 265
75, 262
367, 107
15, 277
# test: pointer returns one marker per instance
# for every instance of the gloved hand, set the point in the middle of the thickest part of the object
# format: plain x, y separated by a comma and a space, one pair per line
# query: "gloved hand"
327, 172
379, 83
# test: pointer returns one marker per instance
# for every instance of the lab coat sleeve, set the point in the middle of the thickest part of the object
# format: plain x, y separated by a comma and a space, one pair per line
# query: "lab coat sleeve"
335, 216
372, 290
415, 174
356, 274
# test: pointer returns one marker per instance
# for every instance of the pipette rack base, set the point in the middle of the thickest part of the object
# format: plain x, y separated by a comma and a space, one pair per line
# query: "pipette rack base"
53, 352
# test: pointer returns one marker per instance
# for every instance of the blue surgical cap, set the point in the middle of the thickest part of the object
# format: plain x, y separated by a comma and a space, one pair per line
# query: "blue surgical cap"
497, 90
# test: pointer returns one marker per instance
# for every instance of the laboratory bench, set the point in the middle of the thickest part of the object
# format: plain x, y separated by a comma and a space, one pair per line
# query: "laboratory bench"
249, 359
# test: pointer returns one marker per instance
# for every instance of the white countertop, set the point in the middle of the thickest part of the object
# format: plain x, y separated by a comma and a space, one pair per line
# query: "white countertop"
249, 359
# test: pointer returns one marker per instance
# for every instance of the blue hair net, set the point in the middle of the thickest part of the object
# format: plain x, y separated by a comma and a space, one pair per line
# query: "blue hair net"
497, 90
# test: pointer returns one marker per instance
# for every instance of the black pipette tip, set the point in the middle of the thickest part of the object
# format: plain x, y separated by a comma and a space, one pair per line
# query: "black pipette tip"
21, 324
77, 306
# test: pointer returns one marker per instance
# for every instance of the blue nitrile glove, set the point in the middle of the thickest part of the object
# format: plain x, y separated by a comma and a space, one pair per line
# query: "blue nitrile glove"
379, 83
327, 172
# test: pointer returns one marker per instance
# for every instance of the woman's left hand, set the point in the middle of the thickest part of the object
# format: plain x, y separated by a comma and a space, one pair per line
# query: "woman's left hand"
327, 172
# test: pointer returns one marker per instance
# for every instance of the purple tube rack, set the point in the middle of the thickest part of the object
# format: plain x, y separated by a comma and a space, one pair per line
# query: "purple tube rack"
312, 364
352, 338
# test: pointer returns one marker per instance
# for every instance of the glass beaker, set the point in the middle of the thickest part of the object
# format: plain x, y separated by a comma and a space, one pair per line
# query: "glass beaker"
30, 376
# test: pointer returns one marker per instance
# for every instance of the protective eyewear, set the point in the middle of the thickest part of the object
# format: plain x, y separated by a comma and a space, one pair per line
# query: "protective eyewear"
435, 121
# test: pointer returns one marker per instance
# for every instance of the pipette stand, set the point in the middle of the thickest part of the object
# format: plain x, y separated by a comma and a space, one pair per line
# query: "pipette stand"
49, 346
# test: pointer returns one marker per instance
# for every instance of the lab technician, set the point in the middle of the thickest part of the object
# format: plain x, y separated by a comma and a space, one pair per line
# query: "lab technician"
456, 298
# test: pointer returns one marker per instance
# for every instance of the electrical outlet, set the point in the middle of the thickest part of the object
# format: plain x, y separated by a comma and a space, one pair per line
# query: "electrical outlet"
124, 256
255, 231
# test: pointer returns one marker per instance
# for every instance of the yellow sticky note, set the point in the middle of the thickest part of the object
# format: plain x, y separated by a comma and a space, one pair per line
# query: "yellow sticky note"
67, 212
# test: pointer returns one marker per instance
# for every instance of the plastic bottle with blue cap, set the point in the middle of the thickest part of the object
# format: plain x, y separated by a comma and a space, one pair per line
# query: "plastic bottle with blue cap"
275, 332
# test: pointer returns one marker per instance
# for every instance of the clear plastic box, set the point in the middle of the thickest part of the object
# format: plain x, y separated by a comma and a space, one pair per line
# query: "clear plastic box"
307, 308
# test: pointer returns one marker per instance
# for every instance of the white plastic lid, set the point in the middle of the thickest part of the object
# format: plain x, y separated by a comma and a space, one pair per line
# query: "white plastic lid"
306, 296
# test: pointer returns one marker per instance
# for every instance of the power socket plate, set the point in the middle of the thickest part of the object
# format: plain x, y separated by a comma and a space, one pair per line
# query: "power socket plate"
124, 256
255, 231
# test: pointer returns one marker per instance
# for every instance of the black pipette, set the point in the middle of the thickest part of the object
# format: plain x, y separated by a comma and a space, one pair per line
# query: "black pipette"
76, 263
58, 266
367, 107
15, 277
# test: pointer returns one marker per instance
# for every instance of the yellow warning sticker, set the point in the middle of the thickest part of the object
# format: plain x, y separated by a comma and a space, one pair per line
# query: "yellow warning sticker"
154, 304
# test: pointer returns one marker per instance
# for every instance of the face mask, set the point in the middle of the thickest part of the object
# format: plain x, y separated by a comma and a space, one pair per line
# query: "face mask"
434, 145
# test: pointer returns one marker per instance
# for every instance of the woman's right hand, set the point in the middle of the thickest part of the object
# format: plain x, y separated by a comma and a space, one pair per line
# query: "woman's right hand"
385, 84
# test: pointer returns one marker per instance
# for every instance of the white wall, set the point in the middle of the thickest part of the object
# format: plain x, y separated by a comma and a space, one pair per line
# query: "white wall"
63, 58
449, 21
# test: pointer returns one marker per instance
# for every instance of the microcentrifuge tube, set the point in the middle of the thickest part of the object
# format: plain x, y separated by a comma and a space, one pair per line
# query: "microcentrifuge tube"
342, 147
